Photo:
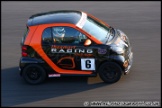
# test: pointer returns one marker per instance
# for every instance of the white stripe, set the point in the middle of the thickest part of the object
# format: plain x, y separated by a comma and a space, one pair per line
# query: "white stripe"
82, 20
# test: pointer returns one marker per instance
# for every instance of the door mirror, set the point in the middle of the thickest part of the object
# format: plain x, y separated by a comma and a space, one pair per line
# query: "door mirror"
87, 42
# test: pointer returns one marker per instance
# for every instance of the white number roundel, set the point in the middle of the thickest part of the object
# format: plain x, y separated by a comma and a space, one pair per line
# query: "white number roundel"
87, 63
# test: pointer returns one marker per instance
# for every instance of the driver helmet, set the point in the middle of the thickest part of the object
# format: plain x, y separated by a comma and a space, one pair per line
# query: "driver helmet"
58, 31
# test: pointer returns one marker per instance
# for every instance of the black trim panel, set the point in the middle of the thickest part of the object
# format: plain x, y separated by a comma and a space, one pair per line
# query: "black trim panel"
62, 16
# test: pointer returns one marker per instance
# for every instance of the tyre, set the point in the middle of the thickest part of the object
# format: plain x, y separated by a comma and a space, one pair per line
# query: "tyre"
34, 74
110, 72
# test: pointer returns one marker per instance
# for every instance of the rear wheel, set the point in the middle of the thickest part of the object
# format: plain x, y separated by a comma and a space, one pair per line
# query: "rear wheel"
34, 74
110, 72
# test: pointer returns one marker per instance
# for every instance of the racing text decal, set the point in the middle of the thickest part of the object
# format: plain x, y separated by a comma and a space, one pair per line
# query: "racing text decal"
69, 49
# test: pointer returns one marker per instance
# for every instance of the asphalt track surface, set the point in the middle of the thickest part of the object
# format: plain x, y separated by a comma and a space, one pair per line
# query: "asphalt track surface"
141, 21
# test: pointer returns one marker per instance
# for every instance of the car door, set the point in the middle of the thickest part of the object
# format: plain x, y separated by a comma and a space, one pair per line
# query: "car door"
69, 51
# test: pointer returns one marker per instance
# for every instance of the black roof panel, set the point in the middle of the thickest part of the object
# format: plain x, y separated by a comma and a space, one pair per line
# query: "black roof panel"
62, 16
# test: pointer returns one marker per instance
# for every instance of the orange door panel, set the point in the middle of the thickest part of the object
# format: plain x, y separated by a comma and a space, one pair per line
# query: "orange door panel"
36, 45
32, 29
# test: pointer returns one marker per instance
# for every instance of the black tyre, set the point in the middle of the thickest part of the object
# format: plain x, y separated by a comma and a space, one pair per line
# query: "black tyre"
110, 72
34, 74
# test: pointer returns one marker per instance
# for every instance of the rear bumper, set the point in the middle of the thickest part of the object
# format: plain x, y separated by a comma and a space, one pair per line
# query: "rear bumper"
130, 61
27, 60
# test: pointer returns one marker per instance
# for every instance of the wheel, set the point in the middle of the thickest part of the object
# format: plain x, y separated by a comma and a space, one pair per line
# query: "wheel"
34, 74
110, 72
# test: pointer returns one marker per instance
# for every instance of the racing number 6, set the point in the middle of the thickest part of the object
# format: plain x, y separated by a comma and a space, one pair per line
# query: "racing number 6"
87, 63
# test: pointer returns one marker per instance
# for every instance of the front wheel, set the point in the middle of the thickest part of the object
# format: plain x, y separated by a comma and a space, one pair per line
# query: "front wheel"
110, 72
34, 74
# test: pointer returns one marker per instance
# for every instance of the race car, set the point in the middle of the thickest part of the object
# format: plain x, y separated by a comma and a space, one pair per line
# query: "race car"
73, 43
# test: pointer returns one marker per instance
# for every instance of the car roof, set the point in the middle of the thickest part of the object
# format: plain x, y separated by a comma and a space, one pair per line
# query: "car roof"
60, 16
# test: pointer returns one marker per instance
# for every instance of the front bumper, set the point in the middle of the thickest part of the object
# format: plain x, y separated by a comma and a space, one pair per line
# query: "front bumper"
130, 61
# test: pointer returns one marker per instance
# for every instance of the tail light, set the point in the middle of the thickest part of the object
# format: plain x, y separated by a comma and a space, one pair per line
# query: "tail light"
24, 51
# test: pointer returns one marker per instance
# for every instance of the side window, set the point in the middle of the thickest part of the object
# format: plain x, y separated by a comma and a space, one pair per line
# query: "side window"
67, 35
25, 34
46, 36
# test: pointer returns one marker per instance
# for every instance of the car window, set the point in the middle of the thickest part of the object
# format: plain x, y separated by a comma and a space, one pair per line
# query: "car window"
47, 36
98, 30
68, 35
25, 34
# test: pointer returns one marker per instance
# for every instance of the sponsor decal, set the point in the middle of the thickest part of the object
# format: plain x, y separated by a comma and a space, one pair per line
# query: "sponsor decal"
84, 55
63, 47
102, 51
54, 75
69, 49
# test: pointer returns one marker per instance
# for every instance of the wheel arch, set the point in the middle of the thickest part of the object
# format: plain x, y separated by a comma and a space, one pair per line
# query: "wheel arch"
113, 61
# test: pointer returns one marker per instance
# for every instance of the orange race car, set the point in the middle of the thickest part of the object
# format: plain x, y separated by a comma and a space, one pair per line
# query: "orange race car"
69, 42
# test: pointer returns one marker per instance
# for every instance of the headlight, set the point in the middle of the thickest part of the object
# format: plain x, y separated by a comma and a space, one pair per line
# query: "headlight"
123, 36
120, 42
